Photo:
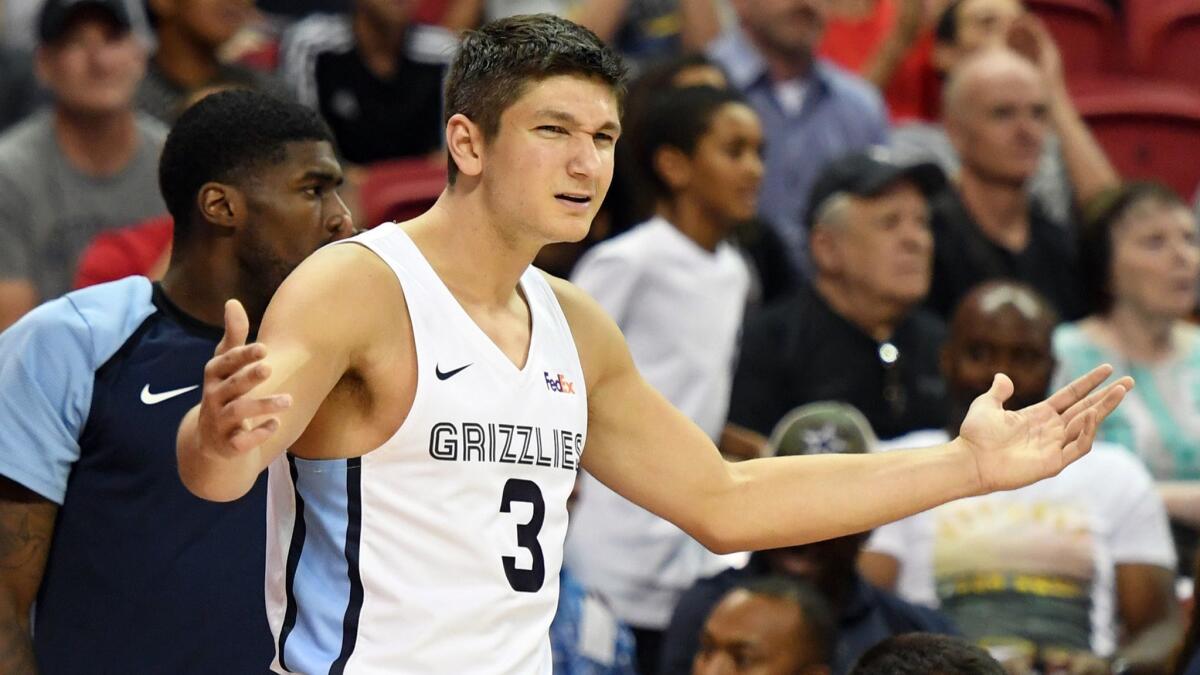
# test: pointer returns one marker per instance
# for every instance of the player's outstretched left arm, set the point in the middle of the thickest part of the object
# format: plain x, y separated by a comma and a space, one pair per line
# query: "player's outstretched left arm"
643, 448
259, 398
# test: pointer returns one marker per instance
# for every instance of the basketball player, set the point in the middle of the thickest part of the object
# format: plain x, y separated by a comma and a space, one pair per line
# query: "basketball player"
131, 573
422, 396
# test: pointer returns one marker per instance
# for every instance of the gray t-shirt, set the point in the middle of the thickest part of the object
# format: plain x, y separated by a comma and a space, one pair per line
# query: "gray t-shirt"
50, 211
926, 142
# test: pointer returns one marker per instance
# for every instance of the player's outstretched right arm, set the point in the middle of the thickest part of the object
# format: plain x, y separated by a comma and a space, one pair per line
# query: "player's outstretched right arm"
259, 398
647, 451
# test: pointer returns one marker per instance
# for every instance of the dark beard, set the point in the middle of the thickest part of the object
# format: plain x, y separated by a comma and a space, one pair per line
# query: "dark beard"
260, 272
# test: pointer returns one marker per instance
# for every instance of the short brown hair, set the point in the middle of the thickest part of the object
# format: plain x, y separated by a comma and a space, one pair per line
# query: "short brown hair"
496, 62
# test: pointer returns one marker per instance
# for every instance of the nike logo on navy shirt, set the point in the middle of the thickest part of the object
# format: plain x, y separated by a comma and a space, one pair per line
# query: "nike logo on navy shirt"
449, 373
152, 399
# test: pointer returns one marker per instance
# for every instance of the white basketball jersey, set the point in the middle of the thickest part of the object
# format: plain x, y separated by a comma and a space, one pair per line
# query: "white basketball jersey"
439, 551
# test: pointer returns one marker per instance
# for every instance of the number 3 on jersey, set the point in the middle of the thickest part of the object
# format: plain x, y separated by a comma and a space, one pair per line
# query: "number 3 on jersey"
530, 580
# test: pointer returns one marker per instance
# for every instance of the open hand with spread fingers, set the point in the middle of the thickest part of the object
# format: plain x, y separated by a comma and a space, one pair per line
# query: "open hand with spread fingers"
1013, 448
230, 422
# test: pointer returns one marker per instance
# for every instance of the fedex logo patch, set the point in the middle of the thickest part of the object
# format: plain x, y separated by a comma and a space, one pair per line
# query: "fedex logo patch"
559, 383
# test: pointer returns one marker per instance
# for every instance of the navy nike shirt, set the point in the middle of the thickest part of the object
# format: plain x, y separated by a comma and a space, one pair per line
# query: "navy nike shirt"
142, 576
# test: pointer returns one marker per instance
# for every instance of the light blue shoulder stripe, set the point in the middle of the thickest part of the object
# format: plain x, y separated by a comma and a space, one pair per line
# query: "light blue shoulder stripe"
112, 312
48, 362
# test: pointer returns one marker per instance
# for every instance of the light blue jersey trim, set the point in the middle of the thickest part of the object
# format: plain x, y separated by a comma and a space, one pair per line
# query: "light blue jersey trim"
321, 587
48, 362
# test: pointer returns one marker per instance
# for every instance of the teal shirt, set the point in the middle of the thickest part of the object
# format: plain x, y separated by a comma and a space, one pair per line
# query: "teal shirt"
1160, 419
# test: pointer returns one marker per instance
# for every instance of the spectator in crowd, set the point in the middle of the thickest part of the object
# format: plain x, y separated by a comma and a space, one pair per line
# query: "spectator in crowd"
858, 332
143, 248
890, 44
631, 199
864, 614
19, 94
586, 638
677, 290
375, 76
19, 18
1187, 656
86, 164
190, 36
925, 654
767, 626
500, 9
301, 8
645, 31
1140, 261
131, 573
1072, 167
989, 225
811, 110
1046, 572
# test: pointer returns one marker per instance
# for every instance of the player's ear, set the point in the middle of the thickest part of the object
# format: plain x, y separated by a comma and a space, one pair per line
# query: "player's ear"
221, 204
464, 142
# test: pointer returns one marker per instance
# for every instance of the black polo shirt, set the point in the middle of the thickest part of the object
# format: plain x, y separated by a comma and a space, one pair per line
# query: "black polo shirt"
372, 118
800, 351
964, 257
375, 119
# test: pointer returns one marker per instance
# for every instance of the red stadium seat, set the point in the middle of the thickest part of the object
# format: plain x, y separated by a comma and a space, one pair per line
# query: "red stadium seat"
430, 11
1164, 38
263, 56
400, 190
1149, 129
1085, 30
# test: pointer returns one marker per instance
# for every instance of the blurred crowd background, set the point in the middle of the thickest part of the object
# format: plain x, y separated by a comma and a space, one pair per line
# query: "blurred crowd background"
831, 222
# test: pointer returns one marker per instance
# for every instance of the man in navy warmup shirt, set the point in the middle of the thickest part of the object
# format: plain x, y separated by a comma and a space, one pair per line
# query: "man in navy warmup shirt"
129, 571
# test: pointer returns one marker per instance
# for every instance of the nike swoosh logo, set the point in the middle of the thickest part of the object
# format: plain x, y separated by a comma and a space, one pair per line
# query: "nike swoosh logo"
151, 399
449, 373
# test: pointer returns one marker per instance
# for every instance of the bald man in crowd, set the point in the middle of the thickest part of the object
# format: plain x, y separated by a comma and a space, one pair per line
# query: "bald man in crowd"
1073, 167
988, 225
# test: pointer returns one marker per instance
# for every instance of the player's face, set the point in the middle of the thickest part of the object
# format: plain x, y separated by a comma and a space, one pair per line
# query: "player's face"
95, 66
749, 634
726, 166
551, 161
293, 209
